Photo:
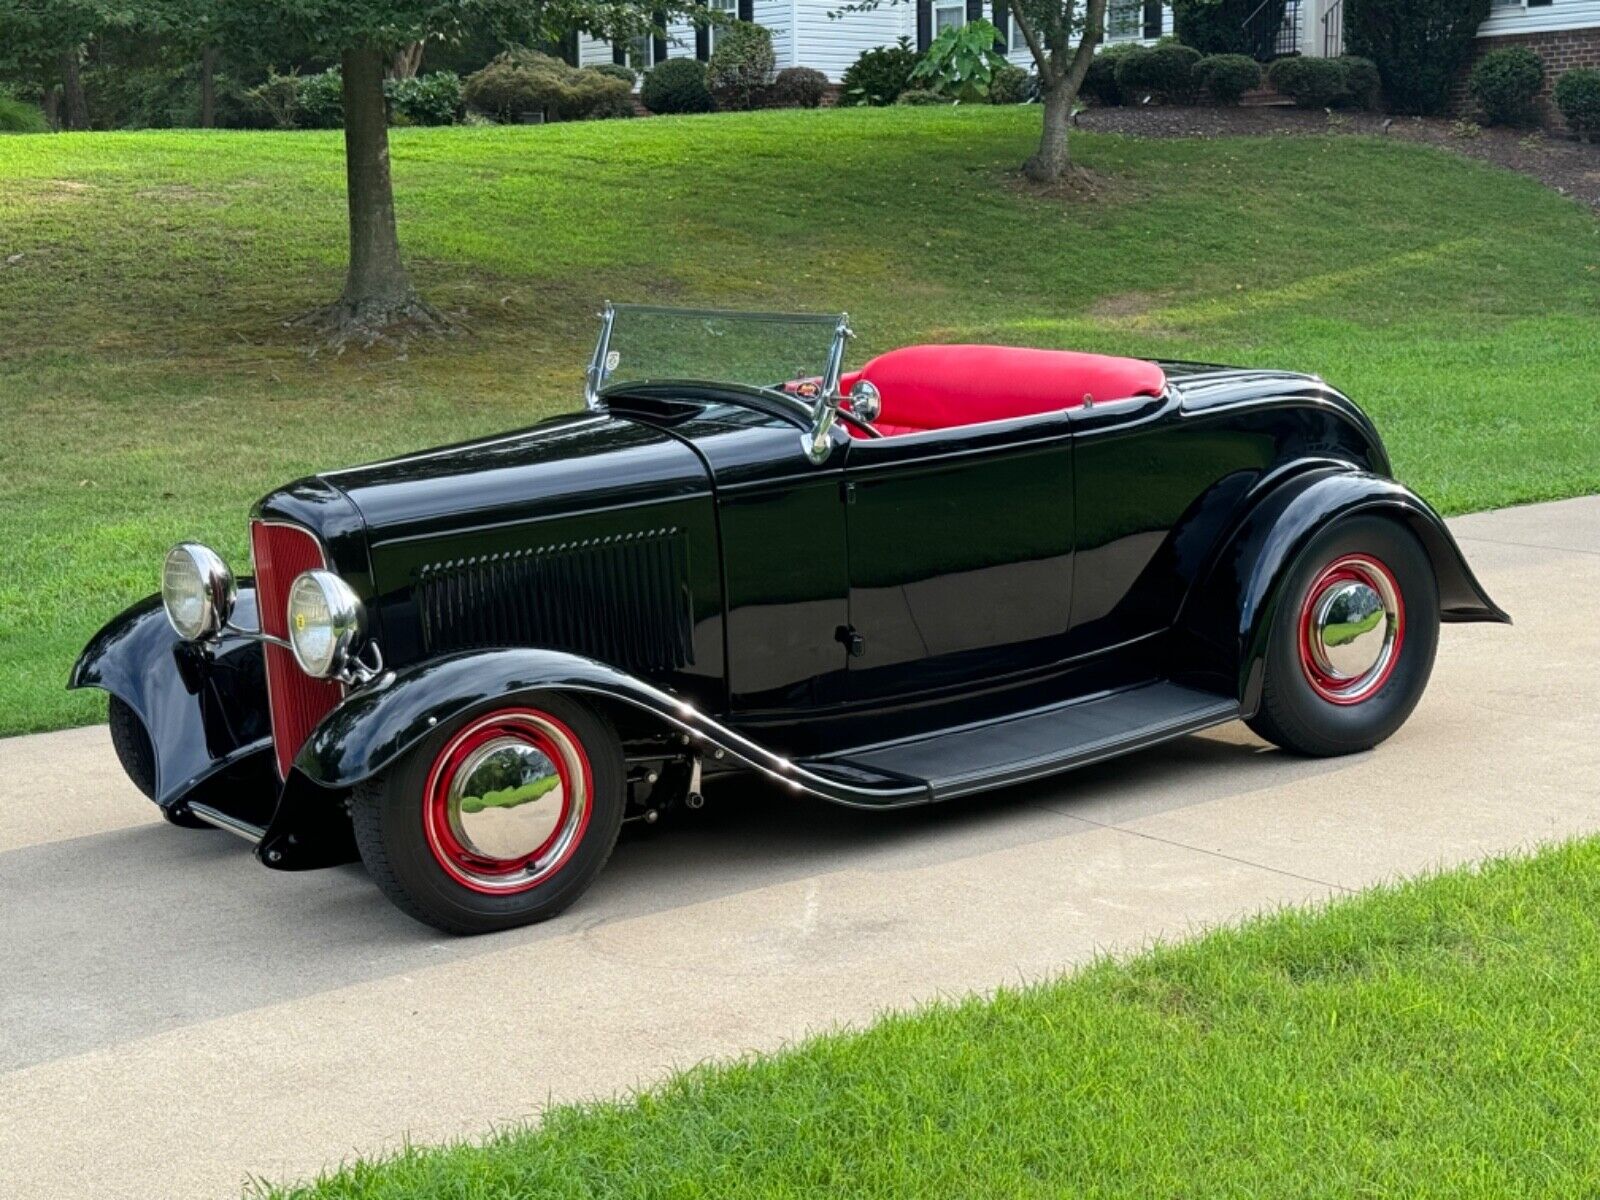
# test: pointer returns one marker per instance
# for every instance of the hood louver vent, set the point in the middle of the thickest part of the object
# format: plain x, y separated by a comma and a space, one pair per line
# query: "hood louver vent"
622, 600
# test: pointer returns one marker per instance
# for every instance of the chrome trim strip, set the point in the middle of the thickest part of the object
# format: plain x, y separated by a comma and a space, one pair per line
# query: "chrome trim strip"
221, 820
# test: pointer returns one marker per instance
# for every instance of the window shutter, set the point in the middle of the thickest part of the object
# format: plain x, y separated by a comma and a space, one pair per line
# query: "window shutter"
659, 55
1002, 24
974, 10
747, 10
619, 53
1152, 18
924, 24
702, 42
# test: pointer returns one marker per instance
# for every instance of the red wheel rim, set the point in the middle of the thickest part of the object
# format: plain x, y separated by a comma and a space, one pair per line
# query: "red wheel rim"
506, 840
1352, 623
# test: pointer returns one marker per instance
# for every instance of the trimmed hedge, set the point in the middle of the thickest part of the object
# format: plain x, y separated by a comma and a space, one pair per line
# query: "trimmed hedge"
1309, 82
521, 82
425, 99
1225, 78
878, 76
1010, 84
1165, 71
798, 87
1100, 84
1578, 98
676, 86
1362, 82
922, 98
1505, 83
1419, 46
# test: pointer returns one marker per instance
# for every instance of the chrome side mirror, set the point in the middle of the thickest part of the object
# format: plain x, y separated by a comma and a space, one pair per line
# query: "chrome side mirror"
866, 401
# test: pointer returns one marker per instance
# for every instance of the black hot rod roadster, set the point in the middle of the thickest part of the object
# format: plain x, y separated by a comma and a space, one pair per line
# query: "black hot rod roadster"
952, 569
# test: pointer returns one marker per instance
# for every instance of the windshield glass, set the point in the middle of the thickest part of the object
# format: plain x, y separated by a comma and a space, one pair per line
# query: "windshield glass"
767, 350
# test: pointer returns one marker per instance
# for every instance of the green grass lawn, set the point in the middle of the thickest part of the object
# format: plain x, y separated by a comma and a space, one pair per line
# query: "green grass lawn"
149, 391
1434, 1039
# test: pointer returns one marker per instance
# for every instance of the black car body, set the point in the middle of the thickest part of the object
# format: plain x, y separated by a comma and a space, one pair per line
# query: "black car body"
729, 580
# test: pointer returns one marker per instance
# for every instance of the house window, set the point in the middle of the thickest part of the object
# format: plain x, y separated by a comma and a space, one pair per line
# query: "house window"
726, 9
1019, 44
641, 51
949, 14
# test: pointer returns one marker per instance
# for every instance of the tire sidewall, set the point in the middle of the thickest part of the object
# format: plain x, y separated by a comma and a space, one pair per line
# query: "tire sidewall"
1318, 725
451, 904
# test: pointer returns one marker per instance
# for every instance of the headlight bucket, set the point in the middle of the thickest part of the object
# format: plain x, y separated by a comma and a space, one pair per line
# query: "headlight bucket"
326, 622
197, 591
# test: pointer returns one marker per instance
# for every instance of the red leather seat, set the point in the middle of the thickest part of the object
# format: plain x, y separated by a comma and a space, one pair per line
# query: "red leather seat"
939, 387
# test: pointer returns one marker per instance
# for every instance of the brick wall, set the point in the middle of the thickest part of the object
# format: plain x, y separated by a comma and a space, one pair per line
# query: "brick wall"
1561, 50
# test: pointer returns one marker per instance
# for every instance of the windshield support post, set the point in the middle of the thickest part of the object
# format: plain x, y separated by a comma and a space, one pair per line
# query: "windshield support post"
596, 374
818, 440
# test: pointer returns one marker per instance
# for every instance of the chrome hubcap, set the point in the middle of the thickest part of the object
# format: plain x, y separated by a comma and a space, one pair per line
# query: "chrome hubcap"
506, 800
1350, 629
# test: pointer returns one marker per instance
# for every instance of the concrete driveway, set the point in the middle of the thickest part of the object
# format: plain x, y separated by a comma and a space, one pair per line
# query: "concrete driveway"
175, 1019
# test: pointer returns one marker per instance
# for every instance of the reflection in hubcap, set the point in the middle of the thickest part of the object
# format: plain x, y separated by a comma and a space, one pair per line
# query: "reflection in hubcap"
506, 799
1351, 626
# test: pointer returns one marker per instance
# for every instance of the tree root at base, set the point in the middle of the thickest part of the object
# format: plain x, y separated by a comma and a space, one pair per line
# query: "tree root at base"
369, 323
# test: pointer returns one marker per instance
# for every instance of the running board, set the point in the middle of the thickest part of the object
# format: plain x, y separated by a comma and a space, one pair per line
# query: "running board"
212, 816
1043, 742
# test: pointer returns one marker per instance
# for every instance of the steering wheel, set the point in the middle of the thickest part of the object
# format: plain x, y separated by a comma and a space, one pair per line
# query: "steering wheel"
855, 422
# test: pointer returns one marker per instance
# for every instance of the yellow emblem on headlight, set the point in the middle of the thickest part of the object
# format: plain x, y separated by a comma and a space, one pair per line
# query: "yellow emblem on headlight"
300, 622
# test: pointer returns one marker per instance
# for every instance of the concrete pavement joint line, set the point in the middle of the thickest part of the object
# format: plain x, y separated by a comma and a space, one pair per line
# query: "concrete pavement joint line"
1243, 862
1473, 537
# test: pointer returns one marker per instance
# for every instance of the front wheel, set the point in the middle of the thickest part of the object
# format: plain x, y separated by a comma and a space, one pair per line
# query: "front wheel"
497, 820
134, 750
1352, 640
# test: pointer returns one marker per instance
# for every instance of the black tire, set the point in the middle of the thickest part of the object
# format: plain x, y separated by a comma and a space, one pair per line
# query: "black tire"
131, 740
1293, 713
387, 813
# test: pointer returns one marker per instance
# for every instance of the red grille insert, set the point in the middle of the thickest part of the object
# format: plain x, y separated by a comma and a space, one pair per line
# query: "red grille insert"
297, 701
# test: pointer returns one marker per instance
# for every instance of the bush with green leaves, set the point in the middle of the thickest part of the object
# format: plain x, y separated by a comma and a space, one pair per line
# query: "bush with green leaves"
1420, 46
1362, 84
1225, 78
433, 99
676, 86
616, 71
1166, 72
878, 76
798, 87
18, 116
1247, 27
321, 100
961, 61
522, 82
1011, 85
1100, 84
1578, 98
922, 98
741, 65
1309, 82
275, 101
1505, 83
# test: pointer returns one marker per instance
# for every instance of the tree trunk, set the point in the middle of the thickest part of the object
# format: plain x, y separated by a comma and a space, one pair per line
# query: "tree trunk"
407, 61
378, 301
52, 108
74, 105
1052, 158
208, 88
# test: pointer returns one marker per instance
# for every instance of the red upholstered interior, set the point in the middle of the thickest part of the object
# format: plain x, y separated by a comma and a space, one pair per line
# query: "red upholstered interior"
938, 387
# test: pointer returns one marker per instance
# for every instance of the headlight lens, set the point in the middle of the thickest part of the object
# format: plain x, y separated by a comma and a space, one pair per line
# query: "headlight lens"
197, 590
325, 623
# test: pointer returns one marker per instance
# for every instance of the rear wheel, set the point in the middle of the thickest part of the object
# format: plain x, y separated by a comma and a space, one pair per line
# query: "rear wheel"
1352, 642
497, 820
131, 740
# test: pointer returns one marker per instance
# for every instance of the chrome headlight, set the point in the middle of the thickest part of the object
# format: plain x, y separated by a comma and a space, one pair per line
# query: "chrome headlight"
197, 591
326, 621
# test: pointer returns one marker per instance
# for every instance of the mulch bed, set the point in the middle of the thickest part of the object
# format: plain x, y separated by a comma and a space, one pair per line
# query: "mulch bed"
1570, 167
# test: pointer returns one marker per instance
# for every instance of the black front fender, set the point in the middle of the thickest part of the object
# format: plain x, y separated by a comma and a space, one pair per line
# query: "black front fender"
205, 708
1232, 612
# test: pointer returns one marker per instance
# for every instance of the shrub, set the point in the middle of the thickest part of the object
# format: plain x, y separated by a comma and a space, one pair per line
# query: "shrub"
18, 116
962, 61
1504, 83
1309, 82
276, 101
617, 71
1167, 72
741, 65
1100, 84
321, 100
1419, 46
921, 98
799, 87
879, 76
1362, 83
1225, 78
1578, 98
1010, 85
1246, 27
676, 86
425, 99
524, 81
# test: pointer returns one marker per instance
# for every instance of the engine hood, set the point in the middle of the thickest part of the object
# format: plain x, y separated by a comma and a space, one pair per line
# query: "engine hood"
566, 465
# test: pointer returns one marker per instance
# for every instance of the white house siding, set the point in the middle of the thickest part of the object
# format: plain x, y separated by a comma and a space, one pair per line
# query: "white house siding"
779, 17
830, 46
1555, 17
1022, 58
